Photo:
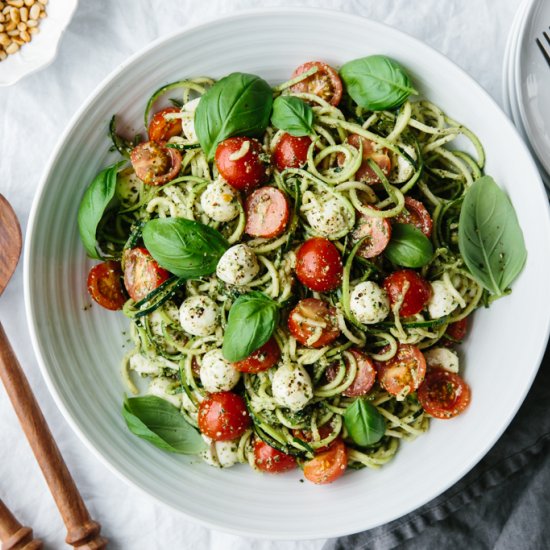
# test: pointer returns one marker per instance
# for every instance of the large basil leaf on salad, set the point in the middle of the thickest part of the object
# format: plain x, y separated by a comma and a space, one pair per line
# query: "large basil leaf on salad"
236, 105
489, 236
408, 247
293, 116
364, 423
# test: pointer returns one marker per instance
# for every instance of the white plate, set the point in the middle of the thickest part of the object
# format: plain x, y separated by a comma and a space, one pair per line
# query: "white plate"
79, 351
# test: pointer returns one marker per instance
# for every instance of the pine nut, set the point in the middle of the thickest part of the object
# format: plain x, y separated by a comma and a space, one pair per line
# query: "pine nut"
12, 48
14, 15
3, 55
29, 3
34, 30
2, 17
14, 32
22, 26
1, 27
18, 40
6, 10
4, 39
43, 2
34, 11
25, 36
16, 3
42, 15
32, 23
23, 14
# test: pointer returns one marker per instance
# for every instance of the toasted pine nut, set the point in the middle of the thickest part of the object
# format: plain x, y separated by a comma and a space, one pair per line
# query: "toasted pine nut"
1, 27
43, 2
14, 32
3, 55
34, 11
29, 3
42, 15
32, 23
2, 17
10, 26
22, 26
34, 30
6, 10
14, 15
25, 36
23, 13
4, 39
16, 3
12, 48
18, 40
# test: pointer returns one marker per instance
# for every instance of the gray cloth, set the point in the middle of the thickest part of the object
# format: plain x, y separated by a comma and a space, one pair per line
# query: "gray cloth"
502, 504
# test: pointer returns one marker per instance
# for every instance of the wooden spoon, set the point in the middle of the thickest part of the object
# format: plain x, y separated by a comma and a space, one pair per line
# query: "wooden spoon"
13, 535
82, 531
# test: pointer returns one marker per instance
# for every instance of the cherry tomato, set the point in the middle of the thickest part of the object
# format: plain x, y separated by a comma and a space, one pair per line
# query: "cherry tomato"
155, 164
323, 328
307, 436
267, 213
443, 394
417, 215
377, 232
239, 163
457, 331
223, 416
105, 285
325, 83
291, 151
262, 359
365, 377
328, 465
142, 274
161, 128
268, 459
406, 368
319, 265
365, 173
417, 295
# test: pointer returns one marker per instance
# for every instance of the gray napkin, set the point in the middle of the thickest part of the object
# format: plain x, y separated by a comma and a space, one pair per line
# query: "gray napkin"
502, 504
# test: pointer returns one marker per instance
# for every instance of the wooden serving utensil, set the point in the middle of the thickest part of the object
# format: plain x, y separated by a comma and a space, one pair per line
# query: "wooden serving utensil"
13, 535
82, 531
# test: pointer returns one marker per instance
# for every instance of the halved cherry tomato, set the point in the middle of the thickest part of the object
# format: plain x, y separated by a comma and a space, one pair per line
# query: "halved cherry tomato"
307, 436
319, 265
443, 394
142, 274
313, 323
267, 213
416, 214
377, 232
239, 163
155, 164
457, 331
262, 359
416, 296
365, 173
269, 459
291, 151
406, 368
223, 416
161, 128
364, 379
328, 465
105, 285
325, 83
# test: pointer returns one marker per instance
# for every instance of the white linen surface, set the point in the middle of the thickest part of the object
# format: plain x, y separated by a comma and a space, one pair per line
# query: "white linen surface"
34, 112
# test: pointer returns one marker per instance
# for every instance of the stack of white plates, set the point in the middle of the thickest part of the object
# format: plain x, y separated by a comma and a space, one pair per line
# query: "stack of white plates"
526, 79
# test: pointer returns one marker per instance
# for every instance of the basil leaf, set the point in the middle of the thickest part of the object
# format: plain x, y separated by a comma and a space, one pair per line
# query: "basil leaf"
293, 116
376, 82
186, 248
489, 236
408, 247
159, 422
96, 200
236, 105
364, 423
251, 322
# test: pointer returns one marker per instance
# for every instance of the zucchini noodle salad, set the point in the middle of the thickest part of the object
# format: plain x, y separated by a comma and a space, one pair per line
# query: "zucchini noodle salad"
296, 265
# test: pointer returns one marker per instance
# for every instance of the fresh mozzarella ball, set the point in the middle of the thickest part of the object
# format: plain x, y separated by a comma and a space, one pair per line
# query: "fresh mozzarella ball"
369, 303
442, 301
188, 120
160, 386
238, 265
143, 364
292, 387
403, 169
199, 315
330, 218
217, 374
443, 358
219, 201
221, 454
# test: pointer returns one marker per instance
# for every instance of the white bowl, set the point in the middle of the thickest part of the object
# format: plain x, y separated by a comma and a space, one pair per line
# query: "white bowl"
79, 351
43, 47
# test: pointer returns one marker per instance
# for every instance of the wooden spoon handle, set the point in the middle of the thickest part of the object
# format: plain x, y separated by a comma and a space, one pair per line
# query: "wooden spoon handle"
13, 535
82, 531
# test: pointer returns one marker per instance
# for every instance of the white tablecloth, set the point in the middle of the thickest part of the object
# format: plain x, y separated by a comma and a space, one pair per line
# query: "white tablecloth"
33, 114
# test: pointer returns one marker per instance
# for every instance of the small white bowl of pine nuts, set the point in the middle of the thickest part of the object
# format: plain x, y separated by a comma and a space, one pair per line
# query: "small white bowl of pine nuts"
30, 32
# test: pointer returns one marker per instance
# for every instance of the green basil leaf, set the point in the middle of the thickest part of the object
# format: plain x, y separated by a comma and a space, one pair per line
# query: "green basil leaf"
186, 248
159, 422
237, 105
376, 82
408, 247
96, 200
251, 322
489, 236
364, 423
292, 115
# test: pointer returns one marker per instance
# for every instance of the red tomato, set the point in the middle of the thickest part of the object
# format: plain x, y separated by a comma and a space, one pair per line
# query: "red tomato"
406, 368
319, 265
155, 164
380, 157
267, 213
223, 416
268, 459
142, 274
328, 465
443, 394
417, 295
325, 83
457, 331
377, 232
105, 285
239, 163
161, 128
262, 359
291, 151
319, 313
417, 215
364, 379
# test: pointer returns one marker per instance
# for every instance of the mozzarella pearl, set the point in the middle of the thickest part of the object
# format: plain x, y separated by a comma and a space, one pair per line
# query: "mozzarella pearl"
199, 315
403, 169
369, 303
219, 201
443, 302
238, 265
221, 454
217, 374
443, 358
160, 387
188, 120
143, 364
330, 218
292, 387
